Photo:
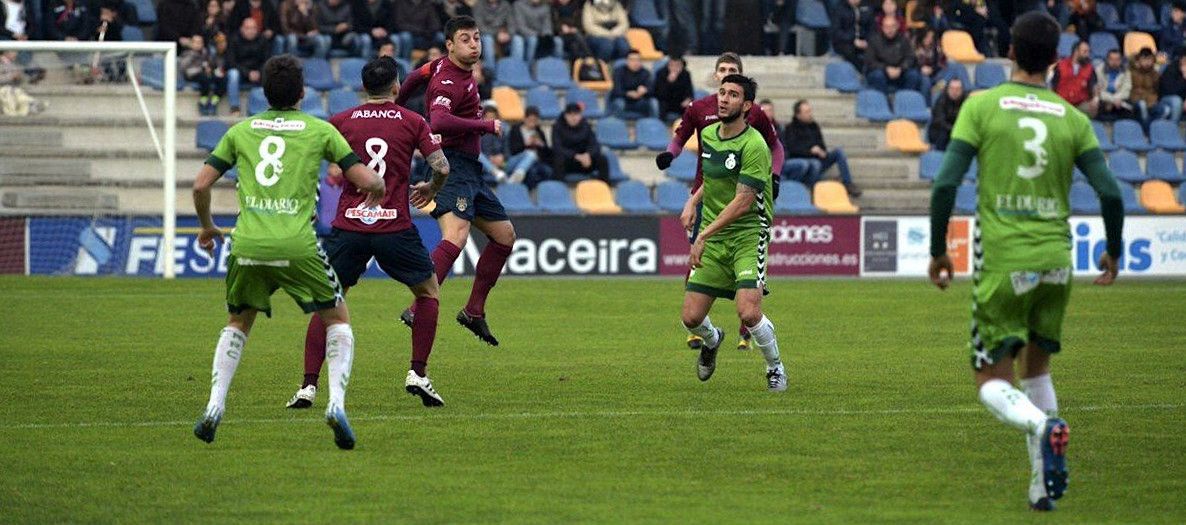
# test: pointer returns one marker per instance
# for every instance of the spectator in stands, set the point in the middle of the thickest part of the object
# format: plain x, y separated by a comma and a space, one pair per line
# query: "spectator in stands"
767, 107
246, 55
69, 20
484, 79
889, 61
803, 139
450, 8
929, 57
1074, 80
199, 65
574, 146
177, 21
741, 35
1172, 89
419, 26
1115, 87
375, 18
336, 19
850, 23
14, 101
494, 22
673, 89
267, 19
781, 14
1173, 35
889, 9
567, 17
298, 20
1144, 78
110, 25
933, 15
684, 33
493, 155
1085, 19
972, 17
213, 23
531, 20
605, 25
631, 97
943, 114
386, 49
529, 151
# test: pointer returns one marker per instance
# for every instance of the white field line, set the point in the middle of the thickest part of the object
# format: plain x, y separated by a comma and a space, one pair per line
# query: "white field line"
590, 414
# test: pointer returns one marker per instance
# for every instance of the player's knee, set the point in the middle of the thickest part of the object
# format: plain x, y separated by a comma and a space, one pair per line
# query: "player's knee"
691, 319
427, 289
750, 316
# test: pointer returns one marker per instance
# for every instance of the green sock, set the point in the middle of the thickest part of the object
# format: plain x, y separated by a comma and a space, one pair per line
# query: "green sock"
203, 100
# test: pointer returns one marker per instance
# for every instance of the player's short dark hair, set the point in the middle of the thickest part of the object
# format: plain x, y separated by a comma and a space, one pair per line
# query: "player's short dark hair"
749, 88
1035, 41
531, 111
458, 23
729, 57
283, 81
379, 75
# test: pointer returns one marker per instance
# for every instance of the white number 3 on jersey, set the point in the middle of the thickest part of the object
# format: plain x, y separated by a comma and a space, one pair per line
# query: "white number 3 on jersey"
1033, 146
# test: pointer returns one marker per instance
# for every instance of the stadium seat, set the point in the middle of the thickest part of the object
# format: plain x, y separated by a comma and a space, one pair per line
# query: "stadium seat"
1066, 44
1134, 41
904, 136
635, 197
683, 167
872, 105
1101, 134
1111, 17
600, 86
319, 75
327, 206
989, 75
652, 134
909, 105
594, 197
1141, 17
671, 196
973, 171
1126, 167
812, 14
911, 21
690, 144
612, 132
1157, 196
1083, 199
131, 33
145, 12
956, 70
965, 199
1161, 165
313, 105
543, 98
795, 199
510, 104
645, 14
842, 76
209, 132
1165, 135
553, 197
515, 198
350, 73
1102, 42
1132, 205
1128, 134
959, 47
513, 72
616, 174
641, 41
256, 101
929, 164
592, 103
1164, 13
553, 72
831, 197
341, 100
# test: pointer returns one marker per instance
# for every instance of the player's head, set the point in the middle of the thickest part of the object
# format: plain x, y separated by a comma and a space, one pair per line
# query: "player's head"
727, 64
462, 40
803, 112
380, 78
735, 97
1035, 42
284, 81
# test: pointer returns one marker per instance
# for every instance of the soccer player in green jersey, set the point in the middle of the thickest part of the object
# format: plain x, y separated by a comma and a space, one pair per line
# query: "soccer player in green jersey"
278, 154
1027, 140
728, 258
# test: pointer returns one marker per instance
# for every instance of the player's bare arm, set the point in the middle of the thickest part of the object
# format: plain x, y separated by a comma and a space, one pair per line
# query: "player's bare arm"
368, 182
207, 176
424, 192
688, 216
741, 203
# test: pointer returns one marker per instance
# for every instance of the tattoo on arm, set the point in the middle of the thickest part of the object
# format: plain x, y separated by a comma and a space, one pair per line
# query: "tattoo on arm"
440, 167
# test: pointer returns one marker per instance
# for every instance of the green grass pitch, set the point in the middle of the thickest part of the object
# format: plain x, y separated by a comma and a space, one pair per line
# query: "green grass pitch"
590, 411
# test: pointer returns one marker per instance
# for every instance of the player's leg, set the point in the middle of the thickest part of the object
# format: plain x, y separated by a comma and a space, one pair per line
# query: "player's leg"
712, 280
694, 341
748, 260
492, 221
1048, 479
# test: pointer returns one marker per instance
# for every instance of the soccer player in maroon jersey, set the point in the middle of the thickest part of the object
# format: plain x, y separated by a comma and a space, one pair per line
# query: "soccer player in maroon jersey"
455, 111
698, 115
384, 135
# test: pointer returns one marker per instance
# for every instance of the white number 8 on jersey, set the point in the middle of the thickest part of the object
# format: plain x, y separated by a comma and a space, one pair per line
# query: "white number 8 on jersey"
271, 149
377, 151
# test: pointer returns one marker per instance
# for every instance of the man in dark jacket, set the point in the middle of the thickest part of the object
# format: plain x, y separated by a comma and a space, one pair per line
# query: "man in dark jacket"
419, 26
631, 97
336, 19
246, 55
944, 112
177, 20
673, 89
889, 61
1172, 88
848, 31
267, 19
803, 139
530, 154
574, 145
377, 19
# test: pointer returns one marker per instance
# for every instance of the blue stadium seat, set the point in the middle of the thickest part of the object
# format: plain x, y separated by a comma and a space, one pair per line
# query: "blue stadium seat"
1101, 134
1132, 205
965, 198
929, 164
1066, 44
1164, 14
146, 12
515, 198
842, 76
872, 105
327, 205
973, 171
1077, 175
553, 72
910, 105
1165, 135
1083, 199
1141, 17
635, 197
554, 197
350, 72
256, 101
616, 174
152, 74
341, 100
1125, 167
812, 14
313, 105
1161, 165
652, 134
612, 132
319, 75
1111, 17
794, 198
989, 75
1101, 43
671, 195
514, 73
1128, 134
209, 132
700, 93
956, 70
544, 98
593, 107
683, 167
131, 33
646, 14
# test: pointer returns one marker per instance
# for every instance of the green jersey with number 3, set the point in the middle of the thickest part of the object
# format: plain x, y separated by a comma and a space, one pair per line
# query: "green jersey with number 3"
744, 159
278, 155
1027, 139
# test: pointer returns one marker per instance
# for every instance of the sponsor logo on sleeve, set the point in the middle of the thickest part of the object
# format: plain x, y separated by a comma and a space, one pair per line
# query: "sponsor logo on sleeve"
443, 101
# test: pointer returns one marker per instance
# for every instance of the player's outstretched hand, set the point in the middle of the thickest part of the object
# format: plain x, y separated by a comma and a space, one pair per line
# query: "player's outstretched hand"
688, 218
939, 265
375, 197
334, 176
207, 236
1110, 269
422, 194
663, 160
697, 251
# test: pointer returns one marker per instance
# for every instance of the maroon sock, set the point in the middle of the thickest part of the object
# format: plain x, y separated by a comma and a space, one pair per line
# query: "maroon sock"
314, 350
490, 264
424, 332
442, 261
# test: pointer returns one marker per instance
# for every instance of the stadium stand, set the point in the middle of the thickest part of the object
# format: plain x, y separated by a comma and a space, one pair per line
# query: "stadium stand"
1161, 165
616, 174
209, 132
910, 105
514, 73
341, 100
594, 197
1083, 199
327, 206
553, 73
842, 76
350, 73
872, 105
645, 14
1126, 167
130, 33
683, 167
1165, 135
641, 40
831, 197
544, 99
553, 197
929, 164
145, 11
1066, 44
671, 196
989, 75
1110, 17
1158, 197
313, 105
1102, 135
319, 75
600, 86
904, 136
510, 104
652, 134
1128, 134
794, 198
594, 109
515, 198
959, 47
1140, 17
1102, 42
1134, 41
965, 199
256, 101
1132, 205
973, 171
634, 197
612, 132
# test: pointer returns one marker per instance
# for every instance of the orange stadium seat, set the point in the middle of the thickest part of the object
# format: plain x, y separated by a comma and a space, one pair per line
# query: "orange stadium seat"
510, 104
1157, 196
911, 7
691, 144
959, 47
831, 197
640, 39
595, 197
600, 86
1135, 40
903, 135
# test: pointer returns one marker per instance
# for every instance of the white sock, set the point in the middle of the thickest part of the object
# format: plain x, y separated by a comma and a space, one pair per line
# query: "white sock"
339, 353
766, 341
707, 332
226, 360
1011, 406
1040, 390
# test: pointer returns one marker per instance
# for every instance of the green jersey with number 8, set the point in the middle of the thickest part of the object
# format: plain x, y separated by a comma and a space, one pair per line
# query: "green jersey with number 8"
278, 154
1027, 139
